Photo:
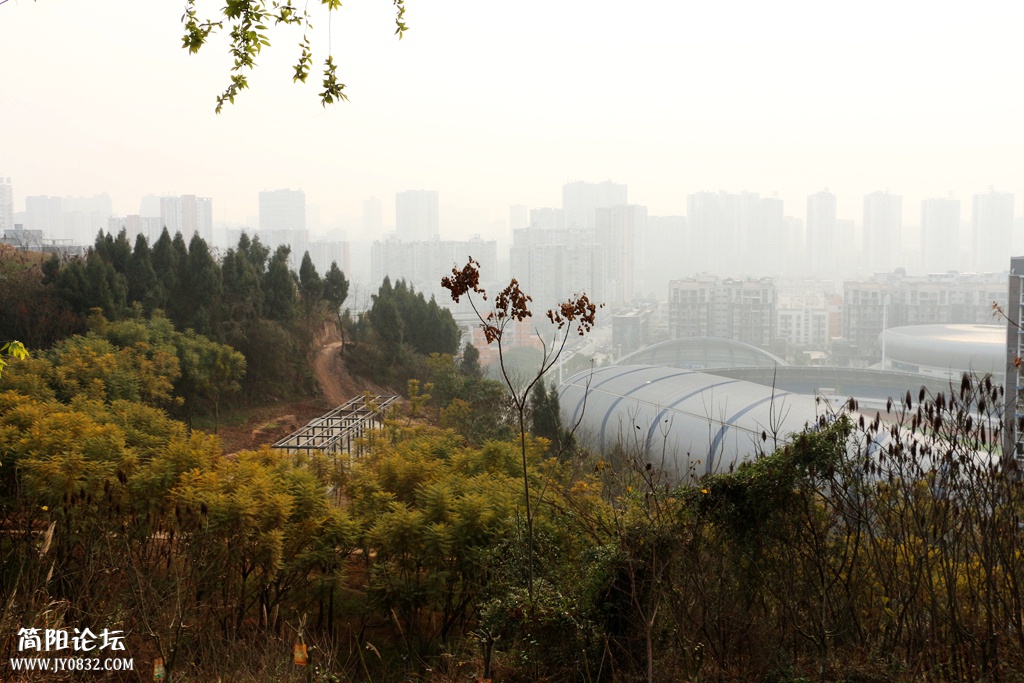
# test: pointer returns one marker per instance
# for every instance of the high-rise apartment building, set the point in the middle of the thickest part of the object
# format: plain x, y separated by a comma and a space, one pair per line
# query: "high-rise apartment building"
424, 262
766, 243
883, 232
737, 232
6, 205
847, 258
616, 228
46, 214
713, 230
821, 232
283, 210
552, 264
940, 235
72, 219
992, 230
417, 216
518, 217
189, 215
548, 219
580, 200
662, 254
283, 222
372, 221
1013, 407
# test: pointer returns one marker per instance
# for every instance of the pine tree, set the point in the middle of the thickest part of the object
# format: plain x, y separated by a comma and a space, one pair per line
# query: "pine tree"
165, 265
202, 285
335, 286
310, 285
279, 286
143, 285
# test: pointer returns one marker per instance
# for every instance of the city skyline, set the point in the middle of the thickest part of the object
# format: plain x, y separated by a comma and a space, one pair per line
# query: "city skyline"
689, 99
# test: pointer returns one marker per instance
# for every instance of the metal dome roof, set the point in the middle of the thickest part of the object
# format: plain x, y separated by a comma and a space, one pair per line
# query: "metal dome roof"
697, 353
956, 348
688, 422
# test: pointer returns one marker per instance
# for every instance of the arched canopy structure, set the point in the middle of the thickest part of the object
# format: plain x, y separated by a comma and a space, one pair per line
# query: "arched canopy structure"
699, 353
686, 422
945, 350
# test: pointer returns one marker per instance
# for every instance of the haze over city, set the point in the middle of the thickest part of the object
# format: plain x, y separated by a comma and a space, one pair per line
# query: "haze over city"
587, 341
499, 106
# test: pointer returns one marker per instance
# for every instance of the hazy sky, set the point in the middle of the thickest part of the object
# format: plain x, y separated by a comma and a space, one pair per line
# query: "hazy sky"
495, 104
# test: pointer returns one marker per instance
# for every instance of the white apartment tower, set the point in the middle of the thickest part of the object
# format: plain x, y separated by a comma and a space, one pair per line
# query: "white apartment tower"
372, 222
940, 235
616, 228
992, 230
417, 216
6, 205
283, 210
883, 232
821, 231
581, 199
189, 215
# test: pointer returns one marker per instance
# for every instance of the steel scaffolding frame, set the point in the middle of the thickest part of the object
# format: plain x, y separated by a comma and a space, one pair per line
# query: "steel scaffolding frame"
341, 428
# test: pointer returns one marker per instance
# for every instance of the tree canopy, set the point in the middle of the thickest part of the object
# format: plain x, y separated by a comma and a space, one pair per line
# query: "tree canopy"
249, 24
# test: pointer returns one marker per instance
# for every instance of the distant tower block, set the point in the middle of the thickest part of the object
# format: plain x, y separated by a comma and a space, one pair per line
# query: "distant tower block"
6, 205
283, 210
940, 235
883, 232
821, 231
992, 230
417, 216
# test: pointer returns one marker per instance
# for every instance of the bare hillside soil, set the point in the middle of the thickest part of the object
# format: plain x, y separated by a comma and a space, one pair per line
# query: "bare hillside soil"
267, 424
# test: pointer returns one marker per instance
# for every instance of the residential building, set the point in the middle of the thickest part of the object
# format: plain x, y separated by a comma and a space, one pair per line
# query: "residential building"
992, 230
896, 300
417, 216
553, 264
581, 199
821, 232
6, 205
189, 215
741, 310
1013, 407
615, 228
372, 221
883, 232
423, 264
940, 235
283, 210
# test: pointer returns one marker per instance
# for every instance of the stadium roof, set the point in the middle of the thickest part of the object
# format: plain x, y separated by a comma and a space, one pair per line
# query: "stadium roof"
686, 422
952, 348
698, 353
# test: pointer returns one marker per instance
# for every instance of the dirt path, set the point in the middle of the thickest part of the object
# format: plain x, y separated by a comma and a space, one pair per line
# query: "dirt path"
329, 370
267, 424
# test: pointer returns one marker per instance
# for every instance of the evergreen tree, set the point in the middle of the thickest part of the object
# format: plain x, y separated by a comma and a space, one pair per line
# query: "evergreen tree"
470, 365
279, 287
310, 285
165, 265
114, 250
143, 285
242, 277
546, 415
202, 285
335, 287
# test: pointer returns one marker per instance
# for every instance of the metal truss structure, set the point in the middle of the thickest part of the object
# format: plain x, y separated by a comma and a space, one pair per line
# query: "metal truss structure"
340, 429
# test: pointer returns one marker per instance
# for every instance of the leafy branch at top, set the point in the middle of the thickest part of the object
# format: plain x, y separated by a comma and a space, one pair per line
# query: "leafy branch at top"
249, 23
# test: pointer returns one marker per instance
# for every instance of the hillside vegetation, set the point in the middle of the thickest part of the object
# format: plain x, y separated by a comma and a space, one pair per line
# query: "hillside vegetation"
862, 551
